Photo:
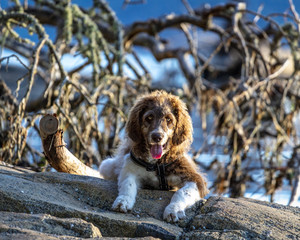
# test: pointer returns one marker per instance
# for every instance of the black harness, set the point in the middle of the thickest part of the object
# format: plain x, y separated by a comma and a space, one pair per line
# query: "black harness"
159, 168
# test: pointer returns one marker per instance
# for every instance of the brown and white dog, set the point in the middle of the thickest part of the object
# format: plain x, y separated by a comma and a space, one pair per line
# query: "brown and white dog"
154, 154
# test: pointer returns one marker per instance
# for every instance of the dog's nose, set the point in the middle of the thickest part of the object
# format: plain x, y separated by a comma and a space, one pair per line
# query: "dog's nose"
156, 137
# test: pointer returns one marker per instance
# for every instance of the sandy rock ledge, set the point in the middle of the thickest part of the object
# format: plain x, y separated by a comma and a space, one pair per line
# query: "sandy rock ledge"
64, 206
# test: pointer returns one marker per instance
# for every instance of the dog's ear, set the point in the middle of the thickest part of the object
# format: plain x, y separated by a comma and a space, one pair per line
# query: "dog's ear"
133, 126
184, 128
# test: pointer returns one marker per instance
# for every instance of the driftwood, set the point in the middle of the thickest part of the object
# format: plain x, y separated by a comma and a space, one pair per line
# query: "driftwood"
58, 156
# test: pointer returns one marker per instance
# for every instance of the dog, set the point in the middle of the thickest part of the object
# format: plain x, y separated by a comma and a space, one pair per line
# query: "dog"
154, 154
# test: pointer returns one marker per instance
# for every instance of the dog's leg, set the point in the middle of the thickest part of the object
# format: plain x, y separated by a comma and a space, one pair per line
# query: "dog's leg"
182, 199
127, 193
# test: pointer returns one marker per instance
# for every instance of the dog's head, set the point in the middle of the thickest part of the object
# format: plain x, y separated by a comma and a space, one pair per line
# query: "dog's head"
161, 121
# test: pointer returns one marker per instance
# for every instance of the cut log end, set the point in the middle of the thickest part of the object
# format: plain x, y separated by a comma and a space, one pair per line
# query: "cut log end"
48, 125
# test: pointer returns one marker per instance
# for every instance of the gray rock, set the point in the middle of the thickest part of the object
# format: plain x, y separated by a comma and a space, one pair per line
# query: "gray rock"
256, 219
41, 225
64, 206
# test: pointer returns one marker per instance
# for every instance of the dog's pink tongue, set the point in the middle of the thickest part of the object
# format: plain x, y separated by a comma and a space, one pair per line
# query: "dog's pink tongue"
156, 151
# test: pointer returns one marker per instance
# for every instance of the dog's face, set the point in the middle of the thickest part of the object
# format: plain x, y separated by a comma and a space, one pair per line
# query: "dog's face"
157, 126
160, 121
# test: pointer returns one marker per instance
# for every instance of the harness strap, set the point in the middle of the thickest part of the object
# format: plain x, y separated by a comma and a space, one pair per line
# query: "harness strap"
163, 183
159, 168
149, 167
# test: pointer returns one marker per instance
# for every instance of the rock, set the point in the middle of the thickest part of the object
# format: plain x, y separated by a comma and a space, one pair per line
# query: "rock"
39, 225
63, 206
254, 218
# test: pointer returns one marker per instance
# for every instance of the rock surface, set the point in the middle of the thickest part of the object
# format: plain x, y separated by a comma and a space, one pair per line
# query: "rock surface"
63, 206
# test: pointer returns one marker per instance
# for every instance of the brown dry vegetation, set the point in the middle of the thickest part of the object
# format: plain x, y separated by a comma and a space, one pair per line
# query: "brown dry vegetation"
254, 100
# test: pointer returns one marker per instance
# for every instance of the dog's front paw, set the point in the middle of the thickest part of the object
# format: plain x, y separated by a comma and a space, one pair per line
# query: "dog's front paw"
173, 213
123, 204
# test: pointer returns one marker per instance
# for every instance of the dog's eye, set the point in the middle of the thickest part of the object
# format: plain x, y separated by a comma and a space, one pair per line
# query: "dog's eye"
149, 118
168, 119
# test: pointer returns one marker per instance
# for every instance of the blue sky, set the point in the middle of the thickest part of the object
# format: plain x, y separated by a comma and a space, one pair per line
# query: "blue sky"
155, 8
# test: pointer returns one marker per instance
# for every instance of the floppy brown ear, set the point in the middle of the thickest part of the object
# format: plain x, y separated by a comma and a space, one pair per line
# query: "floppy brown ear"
184, 128
133, 126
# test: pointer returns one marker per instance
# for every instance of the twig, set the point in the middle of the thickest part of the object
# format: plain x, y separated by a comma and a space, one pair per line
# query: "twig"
296, 15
